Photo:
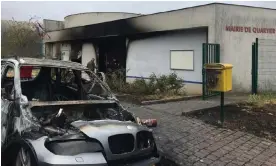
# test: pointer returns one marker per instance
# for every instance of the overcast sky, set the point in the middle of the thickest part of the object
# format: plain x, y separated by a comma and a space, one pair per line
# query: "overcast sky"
57, 10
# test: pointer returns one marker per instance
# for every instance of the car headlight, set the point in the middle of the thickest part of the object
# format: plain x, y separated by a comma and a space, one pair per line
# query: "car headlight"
145, 140
73, 147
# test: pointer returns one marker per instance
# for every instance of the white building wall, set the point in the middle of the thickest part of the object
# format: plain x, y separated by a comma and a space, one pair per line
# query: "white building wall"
52, 25
88, 52
65, 51
54, 50
152, 55
236, 46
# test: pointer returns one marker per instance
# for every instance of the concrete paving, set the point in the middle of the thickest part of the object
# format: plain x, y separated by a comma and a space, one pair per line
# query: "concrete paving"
192, 142
177, 108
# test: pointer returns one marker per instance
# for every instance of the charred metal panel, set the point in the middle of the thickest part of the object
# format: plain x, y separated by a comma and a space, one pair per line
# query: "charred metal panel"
48, 103
5, 105
51, 63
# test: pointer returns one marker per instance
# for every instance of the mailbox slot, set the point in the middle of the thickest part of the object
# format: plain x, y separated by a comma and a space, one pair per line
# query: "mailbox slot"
219, 77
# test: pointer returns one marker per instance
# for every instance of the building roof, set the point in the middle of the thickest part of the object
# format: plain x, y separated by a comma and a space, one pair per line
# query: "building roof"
162, 21
138, 14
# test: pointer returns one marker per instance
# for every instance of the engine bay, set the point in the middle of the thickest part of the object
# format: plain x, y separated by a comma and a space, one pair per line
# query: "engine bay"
57, 119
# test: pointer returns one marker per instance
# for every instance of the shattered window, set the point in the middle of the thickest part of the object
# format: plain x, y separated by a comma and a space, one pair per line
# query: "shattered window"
35, 71
67, 76
7, 83
62, 84
92, 85
10, 73
28, 73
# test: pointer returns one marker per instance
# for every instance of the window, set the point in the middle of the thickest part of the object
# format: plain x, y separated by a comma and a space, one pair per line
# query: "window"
7, 82
182, 59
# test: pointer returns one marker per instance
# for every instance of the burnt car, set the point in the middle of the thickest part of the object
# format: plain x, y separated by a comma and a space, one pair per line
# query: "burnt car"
59, 113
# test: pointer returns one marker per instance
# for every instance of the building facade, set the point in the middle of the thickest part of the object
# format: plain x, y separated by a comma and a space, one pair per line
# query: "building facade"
170, 41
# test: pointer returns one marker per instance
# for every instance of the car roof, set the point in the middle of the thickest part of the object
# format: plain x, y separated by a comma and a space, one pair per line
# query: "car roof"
48, 63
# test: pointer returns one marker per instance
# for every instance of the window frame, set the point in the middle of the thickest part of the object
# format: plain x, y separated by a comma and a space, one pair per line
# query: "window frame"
6, 66
182, 68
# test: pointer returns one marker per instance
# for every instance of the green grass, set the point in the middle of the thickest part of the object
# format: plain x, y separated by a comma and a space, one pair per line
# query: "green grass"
262, 99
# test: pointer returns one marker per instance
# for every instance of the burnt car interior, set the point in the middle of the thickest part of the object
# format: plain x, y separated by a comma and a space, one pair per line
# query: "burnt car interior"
45, 84
60, 84
61, 116
55, 84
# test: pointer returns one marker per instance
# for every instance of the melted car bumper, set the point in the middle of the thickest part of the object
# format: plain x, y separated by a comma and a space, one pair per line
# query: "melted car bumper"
146, 162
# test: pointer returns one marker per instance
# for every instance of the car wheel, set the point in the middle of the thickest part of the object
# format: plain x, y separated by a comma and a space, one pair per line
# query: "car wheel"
23, 158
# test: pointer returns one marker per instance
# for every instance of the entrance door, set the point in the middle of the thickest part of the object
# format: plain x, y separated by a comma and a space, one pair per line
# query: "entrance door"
210, 54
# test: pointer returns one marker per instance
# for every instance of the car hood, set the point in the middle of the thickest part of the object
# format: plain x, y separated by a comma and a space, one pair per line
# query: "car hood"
102, 129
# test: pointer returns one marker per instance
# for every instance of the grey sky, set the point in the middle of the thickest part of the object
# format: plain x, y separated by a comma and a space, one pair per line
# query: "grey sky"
57, 10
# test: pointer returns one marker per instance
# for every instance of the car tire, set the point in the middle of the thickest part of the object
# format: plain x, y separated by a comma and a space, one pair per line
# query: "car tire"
24, 158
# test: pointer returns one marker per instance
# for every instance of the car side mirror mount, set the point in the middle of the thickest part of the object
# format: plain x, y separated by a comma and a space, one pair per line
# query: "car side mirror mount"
5, 95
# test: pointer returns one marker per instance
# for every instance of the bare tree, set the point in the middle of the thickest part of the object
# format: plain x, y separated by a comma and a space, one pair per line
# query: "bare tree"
23, 39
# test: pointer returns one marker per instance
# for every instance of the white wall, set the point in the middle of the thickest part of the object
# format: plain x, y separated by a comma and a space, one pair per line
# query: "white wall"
54, 50
236, 46
65, 51
152, 55
88, 52
52, 25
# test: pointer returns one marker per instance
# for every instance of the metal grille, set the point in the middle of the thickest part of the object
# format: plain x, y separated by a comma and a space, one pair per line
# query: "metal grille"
263, 65
122, 143
210, 54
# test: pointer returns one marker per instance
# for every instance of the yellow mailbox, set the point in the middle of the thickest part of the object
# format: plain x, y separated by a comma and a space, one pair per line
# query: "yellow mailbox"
219, 77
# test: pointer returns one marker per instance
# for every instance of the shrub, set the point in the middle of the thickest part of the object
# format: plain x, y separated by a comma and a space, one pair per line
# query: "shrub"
155, 85
116, 80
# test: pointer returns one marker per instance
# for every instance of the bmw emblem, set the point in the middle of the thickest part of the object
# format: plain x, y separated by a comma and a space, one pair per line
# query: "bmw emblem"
129, 127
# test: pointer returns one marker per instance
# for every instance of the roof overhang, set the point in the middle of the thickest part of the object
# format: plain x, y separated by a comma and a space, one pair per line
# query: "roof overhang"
167, 21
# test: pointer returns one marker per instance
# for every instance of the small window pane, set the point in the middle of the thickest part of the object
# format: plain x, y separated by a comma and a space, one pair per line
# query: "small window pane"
182, 60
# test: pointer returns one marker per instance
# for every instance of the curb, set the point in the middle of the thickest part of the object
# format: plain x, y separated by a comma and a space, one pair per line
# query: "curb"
124, 97
149, 102
205, 109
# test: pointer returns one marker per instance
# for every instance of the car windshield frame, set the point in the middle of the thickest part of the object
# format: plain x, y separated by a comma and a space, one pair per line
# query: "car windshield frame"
92, 76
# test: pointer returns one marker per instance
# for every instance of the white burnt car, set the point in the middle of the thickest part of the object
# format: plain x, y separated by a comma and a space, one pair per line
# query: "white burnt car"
59, 113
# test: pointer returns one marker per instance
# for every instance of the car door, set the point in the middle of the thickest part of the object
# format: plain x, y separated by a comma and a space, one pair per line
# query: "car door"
7, 84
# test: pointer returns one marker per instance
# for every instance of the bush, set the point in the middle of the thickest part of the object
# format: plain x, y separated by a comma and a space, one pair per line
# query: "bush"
116, 80
162, 84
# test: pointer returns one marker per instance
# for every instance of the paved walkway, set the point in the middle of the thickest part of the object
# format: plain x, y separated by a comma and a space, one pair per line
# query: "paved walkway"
192, 142
177, 108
